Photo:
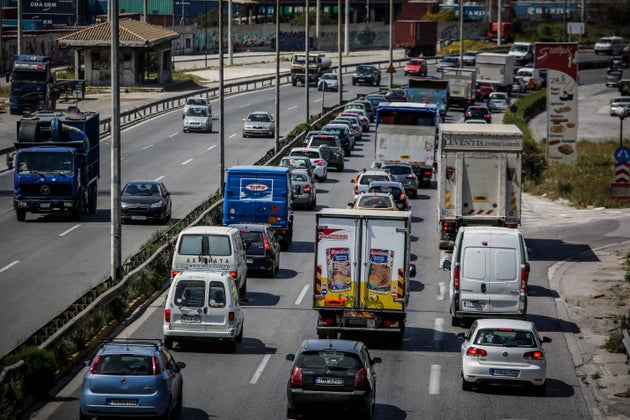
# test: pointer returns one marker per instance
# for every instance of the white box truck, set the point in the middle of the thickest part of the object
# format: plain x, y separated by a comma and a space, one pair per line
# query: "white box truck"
479, 177
461, 86
362, 271
497, 69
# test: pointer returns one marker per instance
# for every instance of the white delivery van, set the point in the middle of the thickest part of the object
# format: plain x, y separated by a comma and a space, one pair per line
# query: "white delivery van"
211, 248
203, 305
532, 77
488, 274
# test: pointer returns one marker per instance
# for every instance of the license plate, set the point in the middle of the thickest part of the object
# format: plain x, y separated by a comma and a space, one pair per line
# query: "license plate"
249, 260
121, 403
138, 217
512, 373
356, 321
44, 205
325, 380
191, 319
469, 304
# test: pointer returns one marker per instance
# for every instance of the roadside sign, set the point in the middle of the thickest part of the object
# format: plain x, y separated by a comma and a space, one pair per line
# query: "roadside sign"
622, 154
391, 69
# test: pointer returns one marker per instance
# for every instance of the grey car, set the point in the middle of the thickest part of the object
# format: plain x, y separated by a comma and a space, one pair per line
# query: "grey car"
303, 189
403, 173
258, 123
120, 376
498, 102
197, 119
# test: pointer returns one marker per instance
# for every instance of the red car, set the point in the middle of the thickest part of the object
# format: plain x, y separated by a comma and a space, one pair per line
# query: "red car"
483, 90
416, 67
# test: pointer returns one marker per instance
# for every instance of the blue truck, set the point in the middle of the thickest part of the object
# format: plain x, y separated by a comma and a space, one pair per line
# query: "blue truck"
429, 91
260, 194
57, 163
32, 84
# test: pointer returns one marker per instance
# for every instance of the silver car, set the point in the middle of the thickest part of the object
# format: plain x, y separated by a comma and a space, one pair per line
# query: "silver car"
328, 81
498, 102
204, 102
503, 351
403, 173
197, 119
303, 189
259, 123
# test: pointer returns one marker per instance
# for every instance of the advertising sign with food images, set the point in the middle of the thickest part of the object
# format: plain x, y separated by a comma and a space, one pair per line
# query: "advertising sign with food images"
338, 261
560, 60
380, 274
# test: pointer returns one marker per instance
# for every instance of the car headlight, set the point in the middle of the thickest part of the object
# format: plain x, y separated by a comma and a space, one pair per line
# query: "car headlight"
124, 205
157, 204
186, 121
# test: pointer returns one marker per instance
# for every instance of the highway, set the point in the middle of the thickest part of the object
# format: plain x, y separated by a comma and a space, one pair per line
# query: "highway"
417, 380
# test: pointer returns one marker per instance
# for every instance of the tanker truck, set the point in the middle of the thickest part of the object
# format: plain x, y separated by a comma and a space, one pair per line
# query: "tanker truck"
56, 163
318, 64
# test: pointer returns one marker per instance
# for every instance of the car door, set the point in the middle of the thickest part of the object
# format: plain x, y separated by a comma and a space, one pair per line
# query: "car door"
474, 271
187, 307
503, 285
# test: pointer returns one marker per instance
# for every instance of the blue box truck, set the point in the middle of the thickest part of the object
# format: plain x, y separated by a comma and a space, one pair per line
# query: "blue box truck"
260, 194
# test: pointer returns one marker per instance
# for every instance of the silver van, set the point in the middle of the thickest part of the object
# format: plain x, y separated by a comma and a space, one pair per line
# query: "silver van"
203, 305
488, 274
211, 248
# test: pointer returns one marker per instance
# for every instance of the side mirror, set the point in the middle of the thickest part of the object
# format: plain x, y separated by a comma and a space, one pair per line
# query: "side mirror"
180, 365
376, 360
446, 265
412, 270
546, 340
349, 205
461, 335
290, 357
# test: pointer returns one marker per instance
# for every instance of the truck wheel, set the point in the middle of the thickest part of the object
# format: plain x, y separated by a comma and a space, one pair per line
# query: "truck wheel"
92, 201
243, 290
294, 82
466, 386
455, 321
21, 215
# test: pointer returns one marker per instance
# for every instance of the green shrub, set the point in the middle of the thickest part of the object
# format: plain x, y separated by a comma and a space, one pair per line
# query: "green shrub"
40, 370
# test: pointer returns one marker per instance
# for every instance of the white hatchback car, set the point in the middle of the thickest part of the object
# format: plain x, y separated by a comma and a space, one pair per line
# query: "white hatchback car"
503, 351
320, 165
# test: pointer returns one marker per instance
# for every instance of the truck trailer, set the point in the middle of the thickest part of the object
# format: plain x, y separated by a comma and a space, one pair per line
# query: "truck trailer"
479, 178
461, 86
362, 271
497, 69
57, 163
417, 37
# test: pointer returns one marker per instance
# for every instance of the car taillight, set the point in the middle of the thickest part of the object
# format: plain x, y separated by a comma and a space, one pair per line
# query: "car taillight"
402, 196
231, 317
325, 321
356, 188
456, 277
360, 379
266, 242
466, 115
167, 315
534, 355
155, 364
174, 273
234, 274
391, 323
95, 363
318, 162
307, 188
309, 172
523, 279
487, 115
296, 376
474, 351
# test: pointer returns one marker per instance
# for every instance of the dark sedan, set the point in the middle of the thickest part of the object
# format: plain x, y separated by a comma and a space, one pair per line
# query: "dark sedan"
142, 201
331, 375
365, 74
478, 112
262, 249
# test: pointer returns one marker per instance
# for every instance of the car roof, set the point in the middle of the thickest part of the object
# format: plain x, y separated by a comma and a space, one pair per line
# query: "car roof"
132, 346
504, 323
143, 181
342, 345
258, 227
390, 164
397, 184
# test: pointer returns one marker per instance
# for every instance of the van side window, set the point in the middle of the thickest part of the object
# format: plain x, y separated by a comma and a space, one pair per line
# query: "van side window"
216, 297
190, 293
191, 245
219, 245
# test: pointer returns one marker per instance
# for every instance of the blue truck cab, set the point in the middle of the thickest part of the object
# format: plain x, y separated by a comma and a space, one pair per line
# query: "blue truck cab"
260, 194
57, 163
32, 84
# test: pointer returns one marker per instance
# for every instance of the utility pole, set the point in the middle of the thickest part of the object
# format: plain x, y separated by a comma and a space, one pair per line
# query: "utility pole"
116, 230
307, 65
277, 99
221, 99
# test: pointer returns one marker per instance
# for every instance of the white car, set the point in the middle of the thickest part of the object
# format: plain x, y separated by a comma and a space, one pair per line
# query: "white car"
498, 102
500, 351
197, 119
617, 104
259, 123
363, 180
328, 81
204, 102
320, 165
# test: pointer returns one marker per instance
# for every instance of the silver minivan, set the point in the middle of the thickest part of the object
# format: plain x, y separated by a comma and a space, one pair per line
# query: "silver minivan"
203, 306
211, 248
488, 274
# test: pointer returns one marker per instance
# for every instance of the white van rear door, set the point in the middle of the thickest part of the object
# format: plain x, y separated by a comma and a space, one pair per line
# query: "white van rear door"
504, 286
474, 271
187, 306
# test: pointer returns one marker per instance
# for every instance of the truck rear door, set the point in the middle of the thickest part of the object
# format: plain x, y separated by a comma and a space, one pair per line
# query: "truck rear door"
336, 263
482, 185
255, 198
383, 256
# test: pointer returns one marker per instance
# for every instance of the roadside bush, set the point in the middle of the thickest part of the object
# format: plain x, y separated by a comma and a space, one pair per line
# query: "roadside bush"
40, 370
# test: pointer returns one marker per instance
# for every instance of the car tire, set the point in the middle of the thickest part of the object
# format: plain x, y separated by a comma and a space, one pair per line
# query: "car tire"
168, 343
242, 291
292, 413
20, 215
83, 416
455, 321
168, 414
239, 337
466, 386
354, 82
539, 390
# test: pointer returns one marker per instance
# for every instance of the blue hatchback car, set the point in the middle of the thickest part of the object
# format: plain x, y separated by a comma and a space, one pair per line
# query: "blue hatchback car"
130, 378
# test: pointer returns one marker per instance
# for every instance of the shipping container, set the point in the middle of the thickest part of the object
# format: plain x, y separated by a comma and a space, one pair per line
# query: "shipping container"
418, 10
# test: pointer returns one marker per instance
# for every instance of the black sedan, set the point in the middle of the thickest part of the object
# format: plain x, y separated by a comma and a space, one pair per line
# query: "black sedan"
332, 375
262, 249
365, 74
142, 201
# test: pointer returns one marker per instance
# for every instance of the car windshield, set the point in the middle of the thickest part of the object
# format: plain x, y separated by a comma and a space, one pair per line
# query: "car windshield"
329, 76
329, 359
386, 189
368, 179
190, 293
259, 117
197, 112
125, 365
519, 48
141, 189
363, 69
200, 102
293, 163
374, 202
252, 236
398, 170
505, 337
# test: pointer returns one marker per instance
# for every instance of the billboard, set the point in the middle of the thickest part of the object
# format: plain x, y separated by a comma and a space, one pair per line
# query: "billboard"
560, 60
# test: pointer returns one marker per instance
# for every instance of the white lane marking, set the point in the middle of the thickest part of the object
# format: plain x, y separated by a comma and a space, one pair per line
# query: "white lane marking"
232, 136
318, 100
147, 147
186, 162
434, 380
441, 290
260, 368
6, 267
245, 106
302, 294
211, 147
69, 230
438, 329
292, 107
173, 135
159, 178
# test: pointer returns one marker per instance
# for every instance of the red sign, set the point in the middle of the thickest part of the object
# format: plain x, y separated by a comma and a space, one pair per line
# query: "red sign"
557, 56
